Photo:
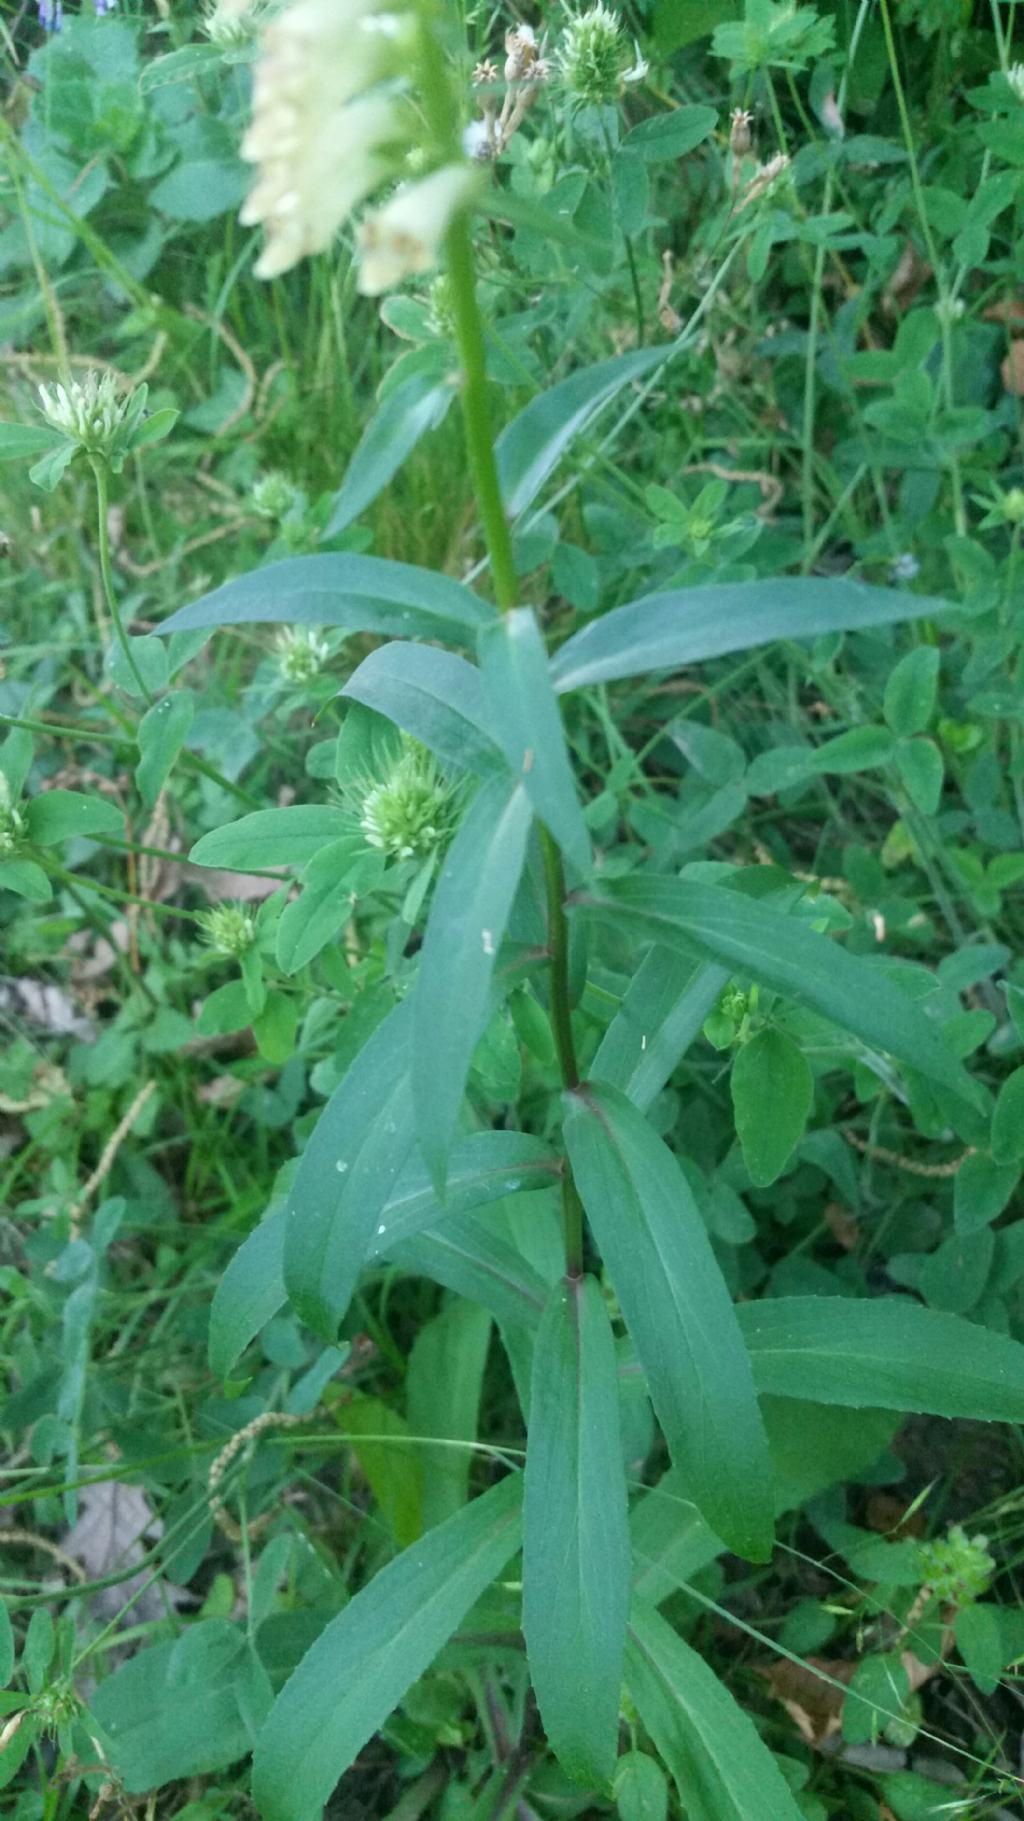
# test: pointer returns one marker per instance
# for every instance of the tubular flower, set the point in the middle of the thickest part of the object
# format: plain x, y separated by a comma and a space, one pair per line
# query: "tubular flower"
405, 236
322, 142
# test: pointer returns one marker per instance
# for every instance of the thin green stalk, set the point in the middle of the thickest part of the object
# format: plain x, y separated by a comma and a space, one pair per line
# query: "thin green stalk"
99, 468
476, 415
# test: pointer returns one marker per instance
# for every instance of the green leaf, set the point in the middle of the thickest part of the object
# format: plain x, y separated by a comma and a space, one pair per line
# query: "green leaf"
58, 815
687, 625
772, 1094
464, 930
6, 1645
162, 733
200, 189
184, 1708
981, 1190
50, 469
346, 1173
979, 1641
443, 1385
26, 879
640, 1790
381, 1441
154, 428
464, 1255
273, 837
887, 1353
530, 448
723, 1770
919, 763
714, 923
481, 1169
575, 1533
671, 135
665, 1005
390, 436
179, 66
525, 716
678, 1311
335, 877
1008, 1120
361, 1665
433, 695
361, 593
19, 441
911, 690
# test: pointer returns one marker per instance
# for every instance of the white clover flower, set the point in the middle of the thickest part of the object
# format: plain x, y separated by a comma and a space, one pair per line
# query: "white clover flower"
321, 141
405, 237
641, 68
592, 57
302, 652
1015, 78
88, 410
478, 140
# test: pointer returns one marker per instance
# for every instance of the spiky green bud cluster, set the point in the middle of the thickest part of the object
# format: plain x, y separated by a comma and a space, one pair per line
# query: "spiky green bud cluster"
273, 496
410, 813
302, 653
592, 58
229, 930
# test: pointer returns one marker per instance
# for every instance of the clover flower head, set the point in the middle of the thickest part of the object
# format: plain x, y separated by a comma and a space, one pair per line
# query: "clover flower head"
89, 411
302, 652
12, 822
273, 496
1015, 78
228, 929
406, 236
410, 813
592, 57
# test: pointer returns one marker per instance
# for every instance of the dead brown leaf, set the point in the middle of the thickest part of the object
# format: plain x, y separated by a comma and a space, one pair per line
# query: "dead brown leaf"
1012, 369
842, 1226
812, 1702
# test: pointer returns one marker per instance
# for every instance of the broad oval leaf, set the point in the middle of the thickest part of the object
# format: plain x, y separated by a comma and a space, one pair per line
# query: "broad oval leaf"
714, 923
390, 436
346, 1173
678, 1311
361, 593
272, 837
433, 695
361, 1665
721, 1766
576, 1533
464, 930
687, 625
525, 716
58, 815
533, 444
772, 1093
671, 135
885, 1352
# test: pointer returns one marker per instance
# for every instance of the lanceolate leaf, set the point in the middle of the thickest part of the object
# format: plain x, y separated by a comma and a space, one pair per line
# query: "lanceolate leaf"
392, 433
346, 1174
525, 716
464, 931
360, 1667
667, 1001
714, 923
533, 444
723, 1770
464, 1255
678, 1311
481, 1169
433, 695
687, 625
575, 1533
889, 1352
361, 593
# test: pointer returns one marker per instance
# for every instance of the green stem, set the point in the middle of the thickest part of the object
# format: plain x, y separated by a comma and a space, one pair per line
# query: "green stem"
99, 468
476, 415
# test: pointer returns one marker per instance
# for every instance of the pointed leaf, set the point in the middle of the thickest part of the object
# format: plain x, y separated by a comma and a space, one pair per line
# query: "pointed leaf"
346, 1173
58, 815
390, 436
532, 445
575, 1533
714, 923
361, 1665
526, 720
162, 733
482, 1169
463, 1254
464, 930
722, 1768
433, 695
443, 1388
361, 593
678, 1311
667, 1001
687, 625
887, 1353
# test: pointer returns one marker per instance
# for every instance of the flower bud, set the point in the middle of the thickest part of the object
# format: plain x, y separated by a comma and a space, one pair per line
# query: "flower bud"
228, 929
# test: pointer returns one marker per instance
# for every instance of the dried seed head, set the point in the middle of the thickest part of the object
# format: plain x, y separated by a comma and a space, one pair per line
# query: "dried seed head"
740, 139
